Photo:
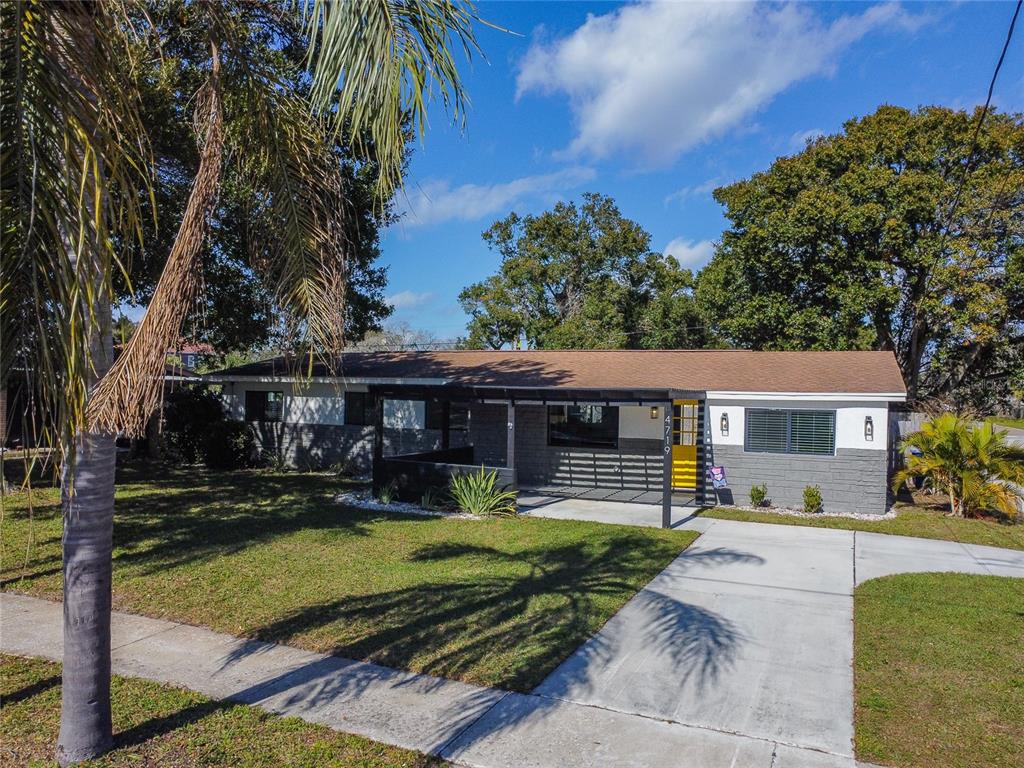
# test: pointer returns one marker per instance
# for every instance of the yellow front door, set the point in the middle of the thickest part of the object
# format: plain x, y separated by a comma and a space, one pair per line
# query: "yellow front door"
684, 444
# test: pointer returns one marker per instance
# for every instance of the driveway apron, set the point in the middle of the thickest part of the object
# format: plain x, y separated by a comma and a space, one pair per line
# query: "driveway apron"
748, 632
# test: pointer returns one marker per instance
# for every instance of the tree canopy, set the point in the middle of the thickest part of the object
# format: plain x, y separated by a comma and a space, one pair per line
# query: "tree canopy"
854, 244
236, 308
580, 276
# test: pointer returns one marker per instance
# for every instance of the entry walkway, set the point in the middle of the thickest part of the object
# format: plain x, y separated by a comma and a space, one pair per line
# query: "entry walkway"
738, 655
645, 511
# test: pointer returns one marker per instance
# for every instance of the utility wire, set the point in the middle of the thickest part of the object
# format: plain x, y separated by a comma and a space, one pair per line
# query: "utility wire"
977, 129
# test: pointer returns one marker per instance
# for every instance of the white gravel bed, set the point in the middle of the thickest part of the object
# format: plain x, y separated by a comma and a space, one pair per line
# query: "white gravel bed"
790, 512
365, 500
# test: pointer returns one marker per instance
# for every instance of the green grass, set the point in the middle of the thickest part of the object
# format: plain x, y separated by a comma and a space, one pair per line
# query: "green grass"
939, 671
496, 602
925, 521
1006, 421
157, 725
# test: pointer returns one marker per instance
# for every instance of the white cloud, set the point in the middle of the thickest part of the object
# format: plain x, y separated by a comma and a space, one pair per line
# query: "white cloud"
409, 299
656, 79
695, 190
434, 202
690, 254
798, 141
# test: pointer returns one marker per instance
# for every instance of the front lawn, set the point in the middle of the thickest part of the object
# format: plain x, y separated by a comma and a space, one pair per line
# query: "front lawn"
939, 671
925, 521
159, 725
496, 602
1006, 421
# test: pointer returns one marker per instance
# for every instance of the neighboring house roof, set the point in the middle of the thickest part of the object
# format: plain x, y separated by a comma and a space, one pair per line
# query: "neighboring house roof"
708, 370
201, 348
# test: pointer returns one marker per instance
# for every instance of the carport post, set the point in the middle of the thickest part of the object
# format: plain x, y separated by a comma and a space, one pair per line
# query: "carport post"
510, 436
378, 443
666, 468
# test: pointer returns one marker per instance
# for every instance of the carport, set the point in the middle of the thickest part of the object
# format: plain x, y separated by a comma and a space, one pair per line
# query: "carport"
598, 475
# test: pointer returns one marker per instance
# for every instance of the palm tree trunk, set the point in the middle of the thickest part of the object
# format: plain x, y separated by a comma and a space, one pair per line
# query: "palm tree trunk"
87, 495
954, 505
88, 481
87, 501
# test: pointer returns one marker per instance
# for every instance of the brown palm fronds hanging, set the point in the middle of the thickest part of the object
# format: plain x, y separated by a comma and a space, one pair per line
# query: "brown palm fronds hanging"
128, 394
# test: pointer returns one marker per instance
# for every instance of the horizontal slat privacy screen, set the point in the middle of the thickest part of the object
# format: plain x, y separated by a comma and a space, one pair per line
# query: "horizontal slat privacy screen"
781, 431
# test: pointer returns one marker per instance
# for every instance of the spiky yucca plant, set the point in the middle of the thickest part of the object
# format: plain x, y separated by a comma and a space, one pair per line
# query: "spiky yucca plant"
478, 493
973, 464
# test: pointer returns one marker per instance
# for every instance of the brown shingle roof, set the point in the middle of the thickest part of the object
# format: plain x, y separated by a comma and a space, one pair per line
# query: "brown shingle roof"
710, 370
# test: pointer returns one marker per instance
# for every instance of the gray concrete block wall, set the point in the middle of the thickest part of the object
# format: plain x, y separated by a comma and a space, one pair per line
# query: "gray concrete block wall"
488, 429
852, 481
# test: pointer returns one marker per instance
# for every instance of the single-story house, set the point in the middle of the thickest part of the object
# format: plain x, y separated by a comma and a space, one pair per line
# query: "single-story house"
637, 425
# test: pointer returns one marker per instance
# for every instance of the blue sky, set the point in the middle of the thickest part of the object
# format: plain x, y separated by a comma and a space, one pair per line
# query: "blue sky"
656, 105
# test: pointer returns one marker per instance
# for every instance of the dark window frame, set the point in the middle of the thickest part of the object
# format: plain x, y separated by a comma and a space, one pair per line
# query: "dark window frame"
433, 414
789, 446
568, 442
266, 405
358, 404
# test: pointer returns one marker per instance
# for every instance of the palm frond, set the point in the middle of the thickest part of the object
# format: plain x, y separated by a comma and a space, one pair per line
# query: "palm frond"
73, 156
975, 464
380, 63
302, 222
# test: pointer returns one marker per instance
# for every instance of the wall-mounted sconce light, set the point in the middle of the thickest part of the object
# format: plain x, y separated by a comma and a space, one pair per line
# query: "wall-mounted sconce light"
869, 428
725, 423
654, 411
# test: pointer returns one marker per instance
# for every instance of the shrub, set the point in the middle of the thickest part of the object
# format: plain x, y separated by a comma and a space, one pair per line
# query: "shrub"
347, 467
433, 499
387, 493
478, 494
229, 445
976, 466
189, 415
275, 461
758, 495
812, 500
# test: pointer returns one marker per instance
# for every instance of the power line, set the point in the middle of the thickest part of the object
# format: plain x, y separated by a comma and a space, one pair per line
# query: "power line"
977, 129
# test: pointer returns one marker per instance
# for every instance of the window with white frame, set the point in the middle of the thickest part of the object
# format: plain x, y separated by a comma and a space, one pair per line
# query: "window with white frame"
776, 430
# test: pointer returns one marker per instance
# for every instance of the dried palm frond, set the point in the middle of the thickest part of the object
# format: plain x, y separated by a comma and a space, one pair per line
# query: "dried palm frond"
302, 224
133, 388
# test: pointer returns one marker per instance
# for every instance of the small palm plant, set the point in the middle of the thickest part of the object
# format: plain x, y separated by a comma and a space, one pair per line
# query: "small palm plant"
478, 493
975, 465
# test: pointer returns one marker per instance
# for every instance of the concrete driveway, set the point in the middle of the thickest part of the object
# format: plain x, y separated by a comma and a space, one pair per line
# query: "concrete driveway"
738, 654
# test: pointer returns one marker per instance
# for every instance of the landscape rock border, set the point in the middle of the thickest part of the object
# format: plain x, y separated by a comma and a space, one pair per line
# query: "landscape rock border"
791, 512
365, 500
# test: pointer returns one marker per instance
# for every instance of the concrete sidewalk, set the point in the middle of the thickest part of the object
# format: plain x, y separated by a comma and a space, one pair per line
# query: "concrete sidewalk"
401, 708
429, 714
737, 655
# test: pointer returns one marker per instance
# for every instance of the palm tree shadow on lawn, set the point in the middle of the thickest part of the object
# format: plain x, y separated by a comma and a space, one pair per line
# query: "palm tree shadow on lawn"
514, 627
184, 516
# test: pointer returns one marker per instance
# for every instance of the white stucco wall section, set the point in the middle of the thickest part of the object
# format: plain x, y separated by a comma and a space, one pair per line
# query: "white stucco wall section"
308, 404
850, 416
322, 404
635, 422
312, 405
